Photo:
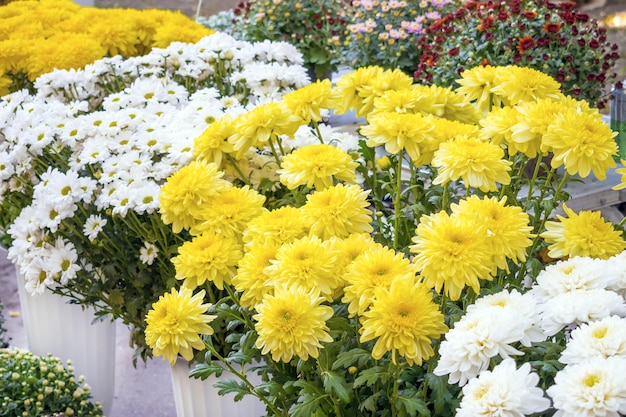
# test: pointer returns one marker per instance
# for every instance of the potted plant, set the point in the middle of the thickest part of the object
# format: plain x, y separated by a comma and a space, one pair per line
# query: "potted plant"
551, 37
412, 269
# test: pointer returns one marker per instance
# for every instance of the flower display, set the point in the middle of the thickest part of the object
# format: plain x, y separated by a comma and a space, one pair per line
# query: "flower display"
316, 27
42, 386
385, 33
66, 36
417, 285
551, 37
84, 159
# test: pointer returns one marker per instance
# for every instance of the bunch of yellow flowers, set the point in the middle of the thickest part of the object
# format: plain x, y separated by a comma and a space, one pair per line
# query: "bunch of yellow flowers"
347, 261
39, 36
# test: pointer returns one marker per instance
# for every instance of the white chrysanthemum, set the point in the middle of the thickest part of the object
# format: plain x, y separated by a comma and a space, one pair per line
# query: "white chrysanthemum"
603, 338
579, 306
93, 225
615, 270
596, 387
522, 306
148, 253
573, 274
503, 392
62, 260
470, 345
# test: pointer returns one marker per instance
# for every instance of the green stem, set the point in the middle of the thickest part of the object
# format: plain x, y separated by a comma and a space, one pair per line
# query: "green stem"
396, 205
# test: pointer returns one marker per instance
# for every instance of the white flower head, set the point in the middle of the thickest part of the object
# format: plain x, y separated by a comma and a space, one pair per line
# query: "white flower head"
148, 253
577, 307
602, 338
596, 387
503, 392
93, 225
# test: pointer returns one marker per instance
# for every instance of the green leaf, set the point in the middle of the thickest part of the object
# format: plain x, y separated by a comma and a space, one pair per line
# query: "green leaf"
240, 389
411, 405
205, 370
372, 375
354, 357
335, 384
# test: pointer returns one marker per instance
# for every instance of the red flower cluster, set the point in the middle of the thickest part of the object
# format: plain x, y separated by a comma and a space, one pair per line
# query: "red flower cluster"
553, 38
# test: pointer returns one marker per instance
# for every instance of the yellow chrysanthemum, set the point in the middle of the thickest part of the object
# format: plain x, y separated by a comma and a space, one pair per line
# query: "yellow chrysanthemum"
622, 172
308, 102
582, 143
213, 142
443, 131
582, 234
62, 51
416, 99
476, 84
349, 86
409, 132
317, 166
308, 263
508, 227
384, 81
292, 322
455, 106
262, 124
518, 84
175, 323
115, 32
452, 253
229, 212
208, 257
405, 320
186, 191
496, 127
376, 268
350, 248
251, 280
338, 211
275, 227
179, 28
478, 163
533, 120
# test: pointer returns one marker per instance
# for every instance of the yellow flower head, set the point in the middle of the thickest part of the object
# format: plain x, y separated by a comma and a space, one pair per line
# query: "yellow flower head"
398, 132
229, 212
208, 257
186, 191
316, 166
175, 323
507, 227
179, 28
292, 322
496, 127
452, 253
251, 280
476, 84
350, 248
416, 99
454, 106
262, 124
478, 163
405, 320
518, 84
338, 211
582, 143
275, 227
308, 102
376, 268
112, 28
308, 263
213, 142
349, 88
532, 121
582, 234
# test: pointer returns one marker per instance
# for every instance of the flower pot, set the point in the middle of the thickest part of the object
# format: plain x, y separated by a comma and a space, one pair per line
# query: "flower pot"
197, 398
66, 331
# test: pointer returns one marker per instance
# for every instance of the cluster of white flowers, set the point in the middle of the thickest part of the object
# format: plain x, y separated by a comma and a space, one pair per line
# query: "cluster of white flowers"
86, 153
579, 301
